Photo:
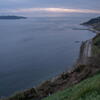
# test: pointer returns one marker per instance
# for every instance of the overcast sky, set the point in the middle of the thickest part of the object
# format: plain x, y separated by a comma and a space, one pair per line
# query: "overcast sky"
49, 7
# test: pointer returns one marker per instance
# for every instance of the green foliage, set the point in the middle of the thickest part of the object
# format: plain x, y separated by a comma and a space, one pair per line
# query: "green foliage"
88, 89
97, 40
95, 50
96, 45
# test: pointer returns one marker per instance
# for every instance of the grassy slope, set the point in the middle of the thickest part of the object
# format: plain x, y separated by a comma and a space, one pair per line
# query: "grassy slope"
88, 89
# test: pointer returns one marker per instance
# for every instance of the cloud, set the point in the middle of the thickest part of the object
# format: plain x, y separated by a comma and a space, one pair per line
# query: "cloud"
54, 10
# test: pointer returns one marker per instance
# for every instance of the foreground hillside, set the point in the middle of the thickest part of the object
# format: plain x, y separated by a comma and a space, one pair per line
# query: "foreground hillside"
88, 89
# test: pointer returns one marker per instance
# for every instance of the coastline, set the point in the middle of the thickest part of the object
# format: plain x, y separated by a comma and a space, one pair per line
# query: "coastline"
62, 81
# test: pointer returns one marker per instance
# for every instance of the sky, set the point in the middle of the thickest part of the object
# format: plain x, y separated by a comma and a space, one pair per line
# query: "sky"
48, 7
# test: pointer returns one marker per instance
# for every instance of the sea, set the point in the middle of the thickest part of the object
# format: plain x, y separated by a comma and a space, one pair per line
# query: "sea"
36, 49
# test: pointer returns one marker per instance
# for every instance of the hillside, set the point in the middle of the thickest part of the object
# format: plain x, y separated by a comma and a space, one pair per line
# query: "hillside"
88, 89
95, 23
92, 21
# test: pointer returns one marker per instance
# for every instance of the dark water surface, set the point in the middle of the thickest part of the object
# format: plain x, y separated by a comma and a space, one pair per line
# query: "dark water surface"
35, 49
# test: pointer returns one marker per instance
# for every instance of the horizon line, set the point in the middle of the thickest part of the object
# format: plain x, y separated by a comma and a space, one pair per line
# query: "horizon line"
53, 10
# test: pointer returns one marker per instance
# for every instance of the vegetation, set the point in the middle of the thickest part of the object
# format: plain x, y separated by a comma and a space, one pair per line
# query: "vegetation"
88, 89
92, 21
96, 45
95, 23
97, 26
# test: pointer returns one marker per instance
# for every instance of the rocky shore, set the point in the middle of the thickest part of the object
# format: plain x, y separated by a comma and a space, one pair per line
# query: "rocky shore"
86, 66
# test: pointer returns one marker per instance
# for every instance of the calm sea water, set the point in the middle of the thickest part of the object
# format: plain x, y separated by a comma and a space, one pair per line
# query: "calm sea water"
35, 49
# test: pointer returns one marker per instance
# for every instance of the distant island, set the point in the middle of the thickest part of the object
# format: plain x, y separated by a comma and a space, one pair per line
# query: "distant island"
12, 17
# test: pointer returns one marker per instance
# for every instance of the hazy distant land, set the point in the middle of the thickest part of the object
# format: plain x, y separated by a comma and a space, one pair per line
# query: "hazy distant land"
12, 17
